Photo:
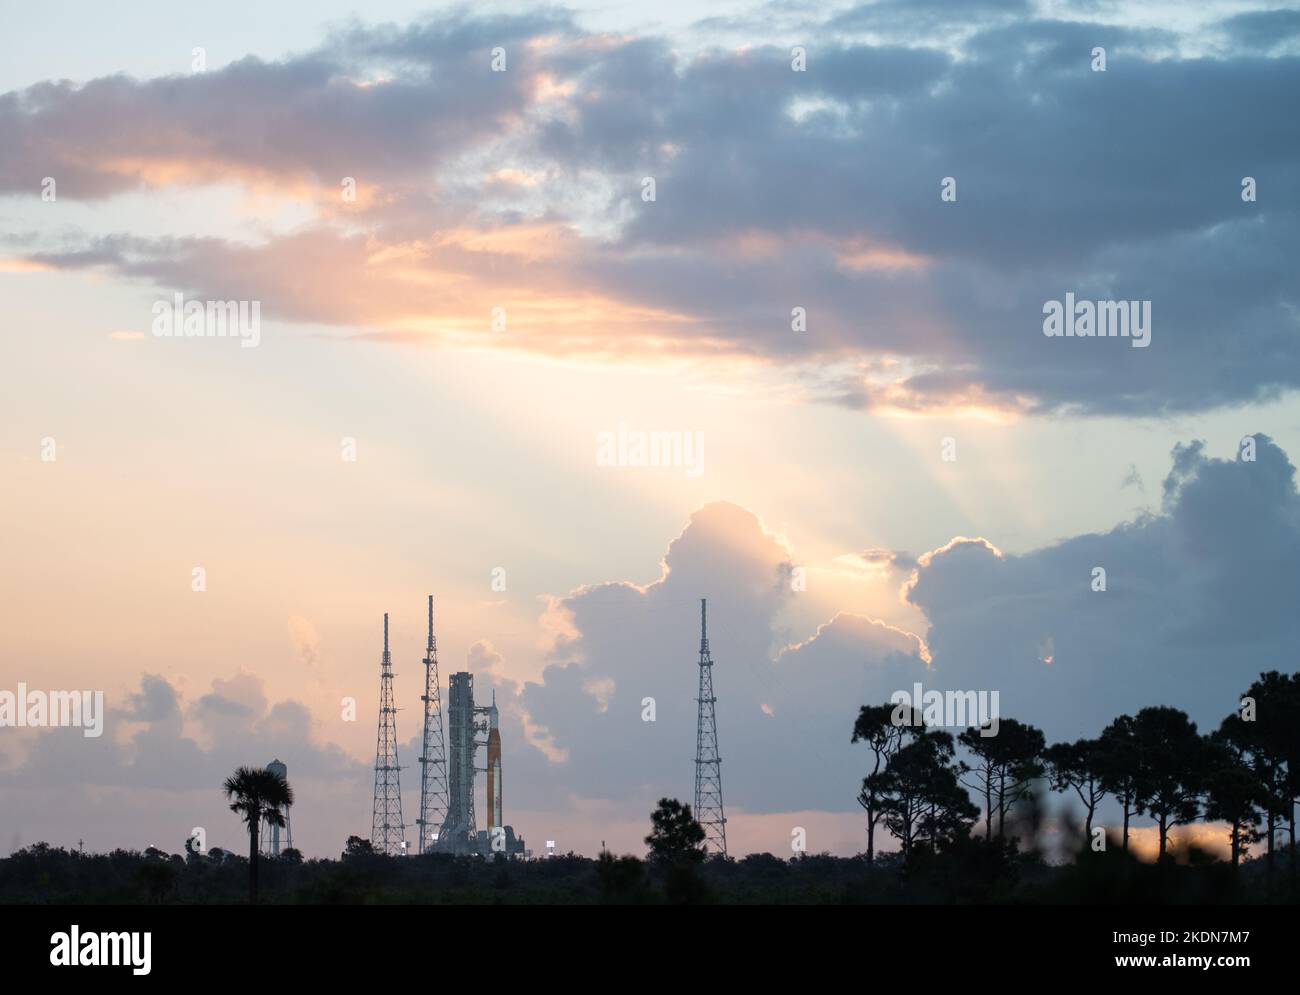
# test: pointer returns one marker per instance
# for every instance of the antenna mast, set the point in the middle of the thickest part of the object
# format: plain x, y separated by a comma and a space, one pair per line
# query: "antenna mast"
433, 756
708, 765
387, 831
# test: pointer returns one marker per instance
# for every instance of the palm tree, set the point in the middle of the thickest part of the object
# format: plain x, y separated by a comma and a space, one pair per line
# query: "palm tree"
257, 794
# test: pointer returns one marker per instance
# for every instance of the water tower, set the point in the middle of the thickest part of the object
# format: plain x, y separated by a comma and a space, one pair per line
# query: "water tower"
271, 833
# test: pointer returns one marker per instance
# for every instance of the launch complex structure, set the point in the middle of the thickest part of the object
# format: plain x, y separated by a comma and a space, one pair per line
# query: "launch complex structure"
448, 767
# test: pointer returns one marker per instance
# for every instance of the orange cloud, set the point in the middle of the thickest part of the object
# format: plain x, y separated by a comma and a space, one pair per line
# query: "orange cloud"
17, 265
863, 255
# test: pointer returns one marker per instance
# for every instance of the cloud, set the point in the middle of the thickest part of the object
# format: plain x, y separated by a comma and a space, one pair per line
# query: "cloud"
783, 718
410, 98
1132, 478
775, 189
1262, 30
1197, 602
146, 743
306, 642
147, 780
155, 702
1199, 599
920, 16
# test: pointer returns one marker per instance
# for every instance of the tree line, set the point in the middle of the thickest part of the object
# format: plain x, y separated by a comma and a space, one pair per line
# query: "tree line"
1245, 773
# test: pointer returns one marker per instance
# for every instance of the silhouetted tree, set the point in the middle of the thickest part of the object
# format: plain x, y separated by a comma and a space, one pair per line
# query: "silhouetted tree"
676, 843
1271, 733
1234, 791
877, 727
1117, 762
357, 847
675, 836
621, 878
1170, 768
1290, 748
157, 877
1006, 766
921, 796
256, 794
1077, 766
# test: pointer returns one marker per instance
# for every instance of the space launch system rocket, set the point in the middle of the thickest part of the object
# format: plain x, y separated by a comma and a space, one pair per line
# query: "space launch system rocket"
493, 769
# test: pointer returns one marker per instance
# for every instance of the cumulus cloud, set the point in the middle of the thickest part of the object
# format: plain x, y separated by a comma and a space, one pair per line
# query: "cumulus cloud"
784, 708
1197, 603
775, 189
1199, 599
157, 740
157, 771
156, 701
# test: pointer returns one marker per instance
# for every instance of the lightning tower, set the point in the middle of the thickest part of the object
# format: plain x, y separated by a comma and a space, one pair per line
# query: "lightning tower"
708, 765
387, 831
433, 757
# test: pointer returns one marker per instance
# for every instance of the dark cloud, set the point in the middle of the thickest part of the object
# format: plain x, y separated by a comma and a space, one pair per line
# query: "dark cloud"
1197, 602
1199, 599
318, 116
774, 189
1262, 30
914, 17
784, 712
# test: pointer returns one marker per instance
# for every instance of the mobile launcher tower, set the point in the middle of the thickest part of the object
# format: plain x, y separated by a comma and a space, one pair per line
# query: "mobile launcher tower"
465, 720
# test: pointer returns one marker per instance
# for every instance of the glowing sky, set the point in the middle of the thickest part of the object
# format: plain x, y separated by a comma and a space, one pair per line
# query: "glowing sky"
476, 446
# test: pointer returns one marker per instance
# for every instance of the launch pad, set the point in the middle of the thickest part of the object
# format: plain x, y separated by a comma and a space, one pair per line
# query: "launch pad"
465, 721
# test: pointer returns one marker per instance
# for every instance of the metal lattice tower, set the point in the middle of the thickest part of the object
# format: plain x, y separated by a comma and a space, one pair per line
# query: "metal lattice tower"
387, 831
433, 757
708, 765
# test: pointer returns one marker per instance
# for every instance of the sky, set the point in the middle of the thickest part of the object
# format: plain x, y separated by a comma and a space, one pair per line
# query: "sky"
833, 285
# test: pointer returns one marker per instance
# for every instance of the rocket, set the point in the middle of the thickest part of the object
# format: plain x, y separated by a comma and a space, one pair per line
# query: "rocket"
493, 768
